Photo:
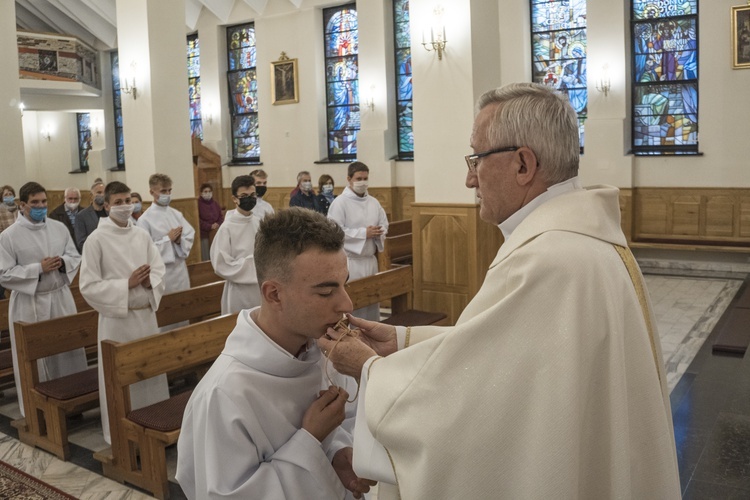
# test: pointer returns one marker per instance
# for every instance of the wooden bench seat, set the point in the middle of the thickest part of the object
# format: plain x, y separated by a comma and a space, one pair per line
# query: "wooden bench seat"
397, 246
140, 437
395, 284
47, 404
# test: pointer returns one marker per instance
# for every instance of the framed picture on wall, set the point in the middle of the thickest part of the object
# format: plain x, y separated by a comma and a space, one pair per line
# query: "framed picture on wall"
284, 81
741, 37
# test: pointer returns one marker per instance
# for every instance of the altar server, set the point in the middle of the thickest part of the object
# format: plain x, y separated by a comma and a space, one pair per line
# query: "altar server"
38, 260
232, 250
172, 234
365, 225
122, 278
258, 424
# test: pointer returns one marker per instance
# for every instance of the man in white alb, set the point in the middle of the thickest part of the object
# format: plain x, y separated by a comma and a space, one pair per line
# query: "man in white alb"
551, 384
262, 208
38, 261
232, 249
365, 225
258, 424
172, 234
122, 278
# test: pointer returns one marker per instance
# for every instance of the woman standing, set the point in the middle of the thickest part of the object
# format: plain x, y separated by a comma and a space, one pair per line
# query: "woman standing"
211, 217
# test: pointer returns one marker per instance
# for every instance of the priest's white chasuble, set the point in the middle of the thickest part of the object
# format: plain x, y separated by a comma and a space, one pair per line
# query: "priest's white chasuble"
110, 256
232, 259
37, 296
354, 213
549, 385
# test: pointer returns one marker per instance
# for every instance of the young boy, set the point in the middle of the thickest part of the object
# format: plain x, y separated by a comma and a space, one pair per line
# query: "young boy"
232, 249
122, 278
262, 208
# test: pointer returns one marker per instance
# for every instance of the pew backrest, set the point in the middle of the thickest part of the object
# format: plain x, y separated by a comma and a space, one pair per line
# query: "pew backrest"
394, 284
397, 246
202, 273
193, 303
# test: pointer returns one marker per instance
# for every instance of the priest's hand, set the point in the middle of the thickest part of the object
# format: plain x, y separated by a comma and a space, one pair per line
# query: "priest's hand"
374, 232
379, 336
50, 264
349, 354
139, 275
325, 413
175, 234
342, 464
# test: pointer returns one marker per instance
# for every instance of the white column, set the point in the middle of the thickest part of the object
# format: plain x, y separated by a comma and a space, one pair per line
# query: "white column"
152, 35
13, 165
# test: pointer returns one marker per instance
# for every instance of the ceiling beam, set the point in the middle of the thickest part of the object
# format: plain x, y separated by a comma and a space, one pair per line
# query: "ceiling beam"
193, 10
88, 19
220, 8
258, 5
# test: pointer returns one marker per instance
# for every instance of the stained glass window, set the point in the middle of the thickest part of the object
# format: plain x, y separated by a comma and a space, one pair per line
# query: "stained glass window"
558, 46
243, 93
665, 76
83, 121
402, 46
340, 33
194, 85
117, 98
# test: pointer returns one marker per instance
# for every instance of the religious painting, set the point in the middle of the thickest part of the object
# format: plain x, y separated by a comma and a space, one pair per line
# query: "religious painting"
741, 37
284, 81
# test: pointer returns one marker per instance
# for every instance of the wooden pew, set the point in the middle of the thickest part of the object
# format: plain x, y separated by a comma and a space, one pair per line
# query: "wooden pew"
397, 247
145, 433
202, 273
395, 284
48, 404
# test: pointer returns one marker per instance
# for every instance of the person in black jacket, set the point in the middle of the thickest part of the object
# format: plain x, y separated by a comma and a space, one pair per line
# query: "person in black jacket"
66, 212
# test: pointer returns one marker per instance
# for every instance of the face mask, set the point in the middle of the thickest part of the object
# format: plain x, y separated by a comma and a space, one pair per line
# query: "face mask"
164, 199
137, 207
328, 189
120, 213
9, 200
99, 200
360, 187
306, 186
247, 203
260, 190
38, 214
71, 206
207, 196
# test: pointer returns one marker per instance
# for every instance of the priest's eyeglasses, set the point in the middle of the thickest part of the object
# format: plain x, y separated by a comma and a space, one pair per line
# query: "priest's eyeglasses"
472, 161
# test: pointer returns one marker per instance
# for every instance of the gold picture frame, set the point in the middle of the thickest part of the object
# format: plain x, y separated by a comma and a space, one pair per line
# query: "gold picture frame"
284, 81
741, 37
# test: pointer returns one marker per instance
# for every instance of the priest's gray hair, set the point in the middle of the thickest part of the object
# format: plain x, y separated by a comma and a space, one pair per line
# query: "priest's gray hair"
539, 118
284, 235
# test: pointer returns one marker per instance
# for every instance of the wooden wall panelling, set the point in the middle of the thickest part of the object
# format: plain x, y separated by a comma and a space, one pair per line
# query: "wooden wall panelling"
626, 213
189, 209
744, 216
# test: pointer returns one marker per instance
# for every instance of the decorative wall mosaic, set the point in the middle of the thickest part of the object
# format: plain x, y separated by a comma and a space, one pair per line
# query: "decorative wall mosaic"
42, 57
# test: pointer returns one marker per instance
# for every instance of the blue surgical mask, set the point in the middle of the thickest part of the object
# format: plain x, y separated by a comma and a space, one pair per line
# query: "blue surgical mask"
327, 188
164, 199
9, 200
137, 207
38, 213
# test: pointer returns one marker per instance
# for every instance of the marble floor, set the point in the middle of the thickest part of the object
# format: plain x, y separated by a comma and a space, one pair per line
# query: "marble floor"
687, 306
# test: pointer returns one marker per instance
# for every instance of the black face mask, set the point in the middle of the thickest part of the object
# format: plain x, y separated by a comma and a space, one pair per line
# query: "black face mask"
247, 203
260, 190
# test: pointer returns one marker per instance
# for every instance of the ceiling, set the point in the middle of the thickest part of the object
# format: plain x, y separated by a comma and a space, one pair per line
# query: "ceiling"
95, 21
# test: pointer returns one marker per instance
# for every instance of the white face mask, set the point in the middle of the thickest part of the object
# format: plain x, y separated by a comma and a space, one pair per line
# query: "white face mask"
71, 206
120, 213
360, 187
207, 196
164, 199
306, 186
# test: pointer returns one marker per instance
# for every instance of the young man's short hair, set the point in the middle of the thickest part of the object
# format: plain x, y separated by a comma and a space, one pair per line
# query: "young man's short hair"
242, 181
115, 187
355, 167
159, 179
284, 235
259, 173
30, 189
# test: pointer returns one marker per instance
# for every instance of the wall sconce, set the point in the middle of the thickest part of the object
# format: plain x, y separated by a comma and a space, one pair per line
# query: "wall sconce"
21, 107
128, 82
208, 116
95, 126
46, 133
369, 100
603, 84
437, 35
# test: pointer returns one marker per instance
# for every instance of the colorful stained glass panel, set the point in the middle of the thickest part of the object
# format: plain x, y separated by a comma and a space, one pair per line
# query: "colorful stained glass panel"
666, 50
552, 15
402, 43
339, 19
343, 93
243, 92
242, 58
117, 105
342, 44
194, 86
342, 143
342, 68
653, 9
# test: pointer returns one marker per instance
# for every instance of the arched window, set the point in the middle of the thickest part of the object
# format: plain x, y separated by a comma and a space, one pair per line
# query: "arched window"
243, 93
194, 85
665, 77
117, 104
340, 35
402, 46
558, 50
